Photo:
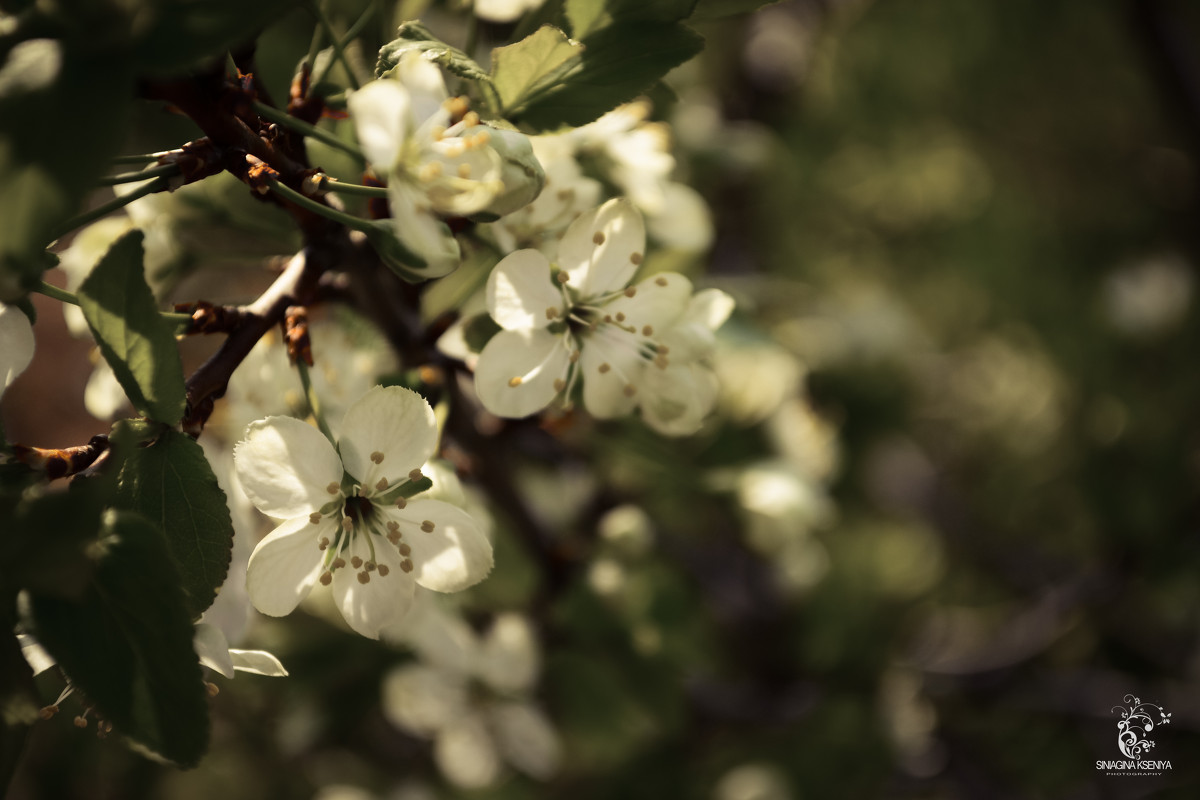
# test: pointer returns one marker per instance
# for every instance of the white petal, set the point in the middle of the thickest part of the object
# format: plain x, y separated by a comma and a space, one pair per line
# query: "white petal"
392, 422
381, 112
103, 396
710, 308
422, 232
658, 301
423, 700
597, 269
35, 655
285, 565
509, 660
537, 357
370, 607
609, 369
212, 648
520, 292
527, 739
470, 177
286, 467
443, 639
16, 344
684, 221
257, 662
451, 557
676, 400
465, 754
426, 89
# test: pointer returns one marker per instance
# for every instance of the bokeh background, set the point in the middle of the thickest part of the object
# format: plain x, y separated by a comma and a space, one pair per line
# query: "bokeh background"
948, 516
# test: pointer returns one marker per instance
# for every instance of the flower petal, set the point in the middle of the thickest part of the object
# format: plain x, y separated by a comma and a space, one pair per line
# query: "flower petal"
509, 659
465, 754
368, 607
382, 113
16, 344
602, 249
426, 88
676, 400
257, 662
521, 294
35, 655
423, 700
393, 424
212, 648
452, 556
658, 301
537, 357
609, 368
420, 231
527, 739
285, 565
286, 467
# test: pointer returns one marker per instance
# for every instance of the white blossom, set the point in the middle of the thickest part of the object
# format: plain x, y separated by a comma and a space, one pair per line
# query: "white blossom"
346, 515
16, 344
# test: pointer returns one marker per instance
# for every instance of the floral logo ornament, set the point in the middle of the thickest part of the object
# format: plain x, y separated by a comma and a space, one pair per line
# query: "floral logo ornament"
1136, 723
346, 515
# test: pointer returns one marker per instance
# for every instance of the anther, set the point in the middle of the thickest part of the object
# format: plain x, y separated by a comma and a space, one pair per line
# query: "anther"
660, 281
464, 171
333, 488
414, 476
427, 526
630, 291
314, 517
383, 570
515, 381
392, 526
338, 563
406, 565
404, 549
377, 457
663, 350
635, 258
381, 484
370, 566
661, 362
364, 577
630, 390
356, 562
401, 502
326, 578
647, 330
559, 384
470, 119
347, 524
620, 316
574, 357
80, 722
598, 238
608, 318
212, 689
393, 537
551, 313
48, 712
604, 368
324, 543
562, 277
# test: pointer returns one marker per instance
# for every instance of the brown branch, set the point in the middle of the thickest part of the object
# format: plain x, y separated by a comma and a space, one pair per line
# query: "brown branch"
61, 463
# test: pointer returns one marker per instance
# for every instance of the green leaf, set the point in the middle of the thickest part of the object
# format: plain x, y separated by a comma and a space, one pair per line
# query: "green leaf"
589, 16
127, 643
47, 162
184, 32
47, 537
478, 331
135, 341
719, 9
415, 36
171, 484
537, 63
619, 62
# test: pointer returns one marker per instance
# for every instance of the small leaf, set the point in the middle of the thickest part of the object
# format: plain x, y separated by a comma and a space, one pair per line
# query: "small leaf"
618, 63
415, 36
135, 341
171, 484
127, 643
478, 331
539, 62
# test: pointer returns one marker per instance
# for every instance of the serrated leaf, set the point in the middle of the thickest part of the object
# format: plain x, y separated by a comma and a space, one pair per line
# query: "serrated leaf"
47, 163
537, 63
415, 36
478, 331
618, 63
135, 341
171, 484
127, 643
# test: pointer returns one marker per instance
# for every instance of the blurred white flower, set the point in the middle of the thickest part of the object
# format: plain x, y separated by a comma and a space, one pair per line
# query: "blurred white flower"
753, 782
1148, 298
16, 344
504, 10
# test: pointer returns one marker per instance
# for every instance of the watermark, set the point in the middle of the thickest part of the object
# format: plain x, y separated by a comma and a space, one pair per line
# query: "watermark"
1133, 739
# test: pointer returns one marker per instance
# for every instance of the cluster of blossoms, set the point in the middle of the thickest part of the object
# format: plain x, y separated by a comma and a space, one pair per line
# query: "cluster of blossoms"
643, 345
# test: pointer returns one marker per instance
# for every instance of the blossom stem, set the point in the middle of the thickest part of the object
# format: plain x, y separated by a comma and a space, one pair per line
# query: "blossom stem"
288, 121
63, 296
328, 184
140, 158
140, 175
314, 403
291, 195
339, 43
120, 201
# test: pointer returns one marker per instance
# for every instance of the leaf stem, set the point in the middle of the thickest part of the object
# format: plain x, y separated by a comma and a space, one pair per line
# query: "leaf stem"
331, 185
291, 195
140, 175
140, 158
63, 296
314, 403
120, 201
339, 46
288, 121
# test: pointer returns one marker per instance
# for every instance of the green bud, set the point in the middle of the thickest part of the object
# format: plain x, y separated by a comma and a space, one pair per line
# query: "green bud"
520, 171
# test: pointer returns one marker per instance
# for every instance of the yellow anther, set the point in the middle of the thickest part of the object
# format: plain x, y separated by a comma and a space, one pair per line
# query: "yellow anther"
631, 291
80, 722
364, 577
482, 138
381, 484
464, 171
515, 381
598, 238
470, 119
414, 476
212, 689
551, 312
406, 565
635, 258
326, 578
660, 281
437, 132
356, 562
333, 487
604, 368
377, 457
314, 517
383, 570
427, 526
559, 384
401, 502
404, 549
430, 172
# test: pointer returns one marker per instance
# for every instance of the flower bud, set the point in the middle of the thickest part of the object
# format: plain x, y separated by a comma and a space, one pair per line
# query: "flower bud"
520, 171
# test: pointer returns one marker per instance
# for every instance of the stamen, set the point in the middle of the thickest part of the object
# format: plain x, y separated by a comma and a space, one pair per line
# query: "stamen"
364, 577
404, 550
620, 316
381, 484
314, 517
647, 330
551, 312
326, 578
406, 565
630, 390
635, 258
470, 119
80, 722
574, 357
338, 563
370, 566
631, 291
464, 171
48, 712
427, 526
347, 524
661, 362
415, 476
377, 457
663, 350
604, 368
598, 238
333, 487
212, 689
660, 281
515, 381
324, 543
401, 502
559, 384
562, 277
383, 570
356, 562
430, 172
392, 526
